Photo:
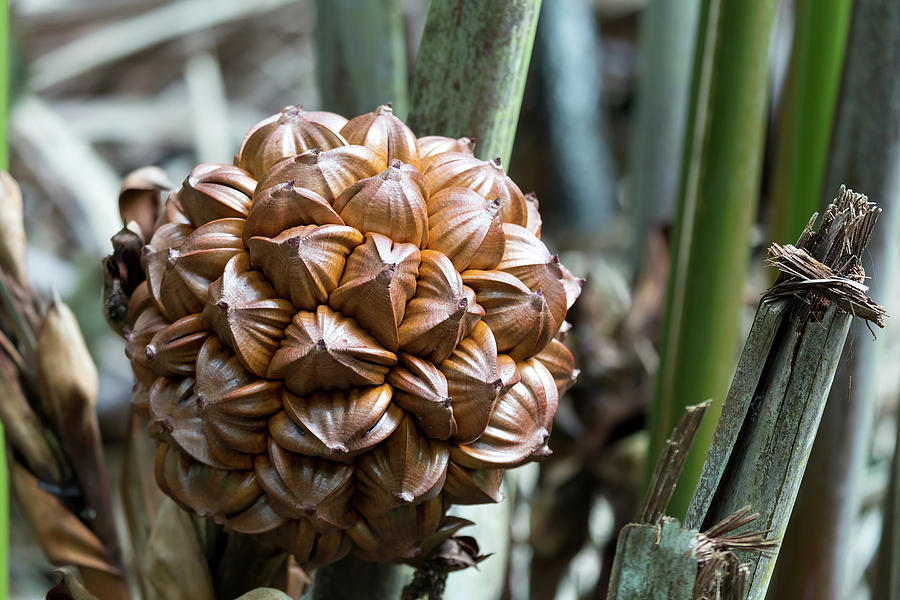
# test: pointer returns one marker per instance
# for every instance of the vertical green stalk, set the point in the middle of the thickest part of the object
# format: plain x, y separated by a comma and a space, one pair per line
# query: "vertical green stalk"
804, 127
361, 60
717, 202
470, 73
668, 35
4, 163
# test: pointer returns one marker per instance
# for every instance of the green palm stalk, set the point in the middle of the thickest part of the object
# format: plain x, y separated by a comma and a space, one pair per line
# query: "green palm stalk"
717, 202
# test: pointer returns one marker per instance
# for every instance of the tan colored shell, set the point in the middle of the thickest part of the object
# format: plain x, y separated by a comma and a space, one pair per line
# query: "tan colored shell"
384, 133
288, 133
333, 355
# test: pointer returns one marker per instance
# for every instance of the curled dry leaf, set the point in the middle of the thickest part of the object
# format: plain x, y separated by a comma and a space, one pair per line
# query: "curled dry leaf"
63, 538
175, 564
324, 350
68, 384
288, 133
22, 428
214, 192
141, 197
325, 172
305, 263
384, 133
457, 169
279, 208
12, 242
391, 203
378, 281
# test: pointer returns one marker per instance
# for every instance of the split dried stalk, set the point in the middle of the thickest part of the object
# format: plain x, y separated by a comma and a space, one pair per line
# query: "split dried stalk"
763, 440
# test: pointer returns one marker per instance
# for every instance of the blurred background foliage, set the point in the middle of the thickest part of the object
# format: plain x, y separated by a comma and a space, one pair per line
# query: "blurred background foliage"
711, 125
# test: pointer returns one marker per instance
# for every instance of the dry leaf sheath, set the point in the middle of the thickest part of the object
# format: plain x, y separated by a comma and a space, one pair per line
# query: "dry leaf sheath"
344, 334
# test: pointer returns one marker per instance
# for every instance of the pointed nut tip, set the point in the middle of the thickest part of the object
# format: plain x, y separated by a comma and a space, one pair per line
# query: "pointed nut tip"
222, 306
339, 449
150, 351
404, 497
446, 401
321, 346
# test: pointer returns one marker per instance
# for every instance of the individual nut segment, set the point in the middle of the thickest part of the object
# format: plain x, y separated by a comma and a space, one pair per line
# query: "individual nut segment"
287, 133
180, 264
307, 487
466, 228
384, 133
561, 364
421, 389
474, 382
457, 169
173, 350
441, 313
305, 263
214, 192
407, 468
311, 545
336, 425
519, 426
325, 172
378, 281
246, 314
528, 259
473, 486
519, 318
281, 207
432, 146
399, 534
391, 203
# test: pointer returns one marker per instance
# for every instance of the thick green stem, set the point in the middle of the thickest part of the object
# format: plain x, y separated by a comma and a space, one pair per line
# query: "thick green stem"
352, 579
717, 203
361, 59
470, 73
807, 109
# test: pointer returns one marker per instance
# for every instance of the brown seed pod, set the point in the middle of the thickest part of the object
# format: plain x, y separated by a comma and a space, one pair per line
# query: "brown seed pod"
213, 192
141, 197
392, 203
456, 169
384, 133
334, 355
287, 133
431, 146
281, 207
325, 172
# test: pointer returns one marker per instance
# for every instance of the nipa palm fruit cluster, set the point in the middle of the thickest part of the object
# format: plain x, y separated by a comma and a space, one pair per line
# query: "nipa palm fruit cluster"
344, 333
